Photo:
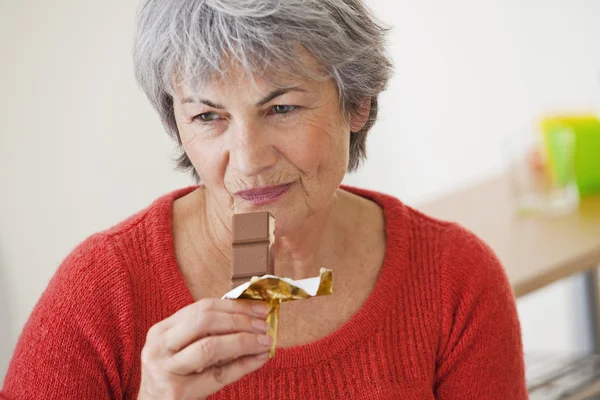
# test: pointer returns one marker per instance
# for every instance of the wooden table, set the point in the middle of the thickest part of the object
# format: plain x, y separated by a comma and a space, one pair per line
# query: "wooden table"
534, 250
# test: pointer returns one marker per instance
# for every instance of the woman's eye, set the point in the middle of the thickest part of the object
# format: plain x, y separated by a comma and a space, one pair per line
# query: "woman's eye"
282, 109
207, 117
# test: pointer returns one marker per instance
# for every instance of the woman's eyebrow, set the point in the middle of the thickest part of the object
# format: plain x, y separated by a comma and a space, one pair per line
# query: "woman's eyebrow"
278, 92
201, 101
273, 95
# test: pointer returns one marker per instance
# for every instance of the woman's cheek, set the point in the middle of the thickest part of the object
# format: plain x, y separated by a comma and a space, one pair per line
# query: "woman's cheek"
204, 156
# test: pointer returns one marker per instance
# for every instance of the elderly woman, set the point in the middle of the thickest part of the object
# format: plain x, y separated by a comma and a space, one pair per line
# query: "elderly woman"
271, 102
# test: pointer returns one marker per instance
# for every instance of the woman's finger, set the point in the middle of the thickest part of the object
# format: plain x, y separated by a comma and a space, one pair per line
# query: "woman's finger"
207, 352
195, 310
208, 324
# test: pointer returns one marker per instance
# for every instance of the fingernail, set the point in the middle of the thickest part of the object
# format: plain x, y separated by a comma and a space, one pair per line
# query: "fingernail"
265, 340
260, 325
261, 309
263, 356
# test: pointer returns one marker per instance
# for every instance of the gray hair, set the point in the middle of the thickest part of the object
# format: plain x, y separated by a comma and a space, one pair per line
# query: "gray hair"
193, 40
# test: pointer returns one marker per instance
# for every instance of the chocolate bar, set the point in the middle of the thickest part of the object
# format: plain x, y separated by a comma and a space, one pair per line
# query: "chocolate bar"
253, 238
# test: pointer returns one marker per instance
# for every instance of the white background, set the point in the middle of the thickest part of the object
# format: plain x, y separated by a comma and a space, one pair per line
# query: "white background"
81, 149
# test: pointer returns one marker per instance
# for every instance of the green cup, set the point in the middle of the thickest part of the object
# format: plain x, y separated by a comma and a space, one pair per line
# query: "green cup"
585, 130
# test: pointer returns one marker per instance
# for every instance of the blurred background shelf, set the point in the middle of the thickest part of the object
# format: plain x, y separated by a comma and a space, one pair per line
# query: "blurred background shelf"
554, 377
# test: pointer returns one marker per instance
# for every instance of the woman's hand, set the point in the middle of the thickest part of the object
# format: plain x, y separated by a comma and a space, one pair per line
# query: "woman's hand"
202, 348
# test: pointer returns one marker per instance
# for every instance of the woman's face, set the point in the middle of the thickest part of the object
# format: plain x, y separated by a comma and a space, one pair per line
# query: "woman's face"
257, 147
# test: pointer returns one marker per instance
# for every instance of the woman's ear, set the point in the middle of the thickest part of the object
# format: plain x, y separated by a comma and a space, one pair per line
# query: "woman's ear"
361, 116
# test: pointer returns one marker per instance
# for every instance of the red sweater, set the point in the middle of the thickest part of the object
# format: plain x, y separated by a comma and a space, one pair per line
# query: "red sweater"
441, 322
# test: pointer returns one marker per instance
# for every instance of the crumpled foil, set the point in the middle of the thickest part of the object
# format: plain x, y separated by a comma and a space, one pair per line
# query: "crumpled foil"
274, 290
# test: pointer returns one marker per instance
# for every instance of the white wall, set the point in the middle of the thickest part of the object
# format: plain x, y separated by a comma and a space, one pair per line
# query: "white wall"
80, 148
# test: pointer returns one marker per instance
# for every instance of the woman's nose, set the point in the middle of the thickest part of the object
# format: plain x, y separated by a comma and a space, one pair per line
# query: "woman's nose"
251, 152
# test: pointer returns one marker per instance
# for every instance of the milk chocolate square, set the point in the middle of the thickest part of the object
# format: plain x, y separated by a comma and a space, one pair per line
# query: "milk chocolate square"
252, 227
252, 259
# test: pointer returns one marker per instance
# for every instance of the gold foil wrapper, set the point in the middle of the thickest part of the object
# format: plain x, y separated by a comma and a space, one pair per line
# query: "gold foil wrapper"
274, 291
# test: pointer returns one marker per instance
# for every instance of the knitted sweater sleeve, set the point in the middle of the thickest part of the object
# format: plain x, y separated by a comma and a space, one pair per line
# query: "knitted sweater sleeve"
76, 343
480, 354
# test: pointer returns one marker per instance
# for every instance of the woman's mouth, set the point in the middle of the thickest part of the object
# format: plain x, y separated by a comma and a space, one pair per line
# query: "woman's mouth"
265, 194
